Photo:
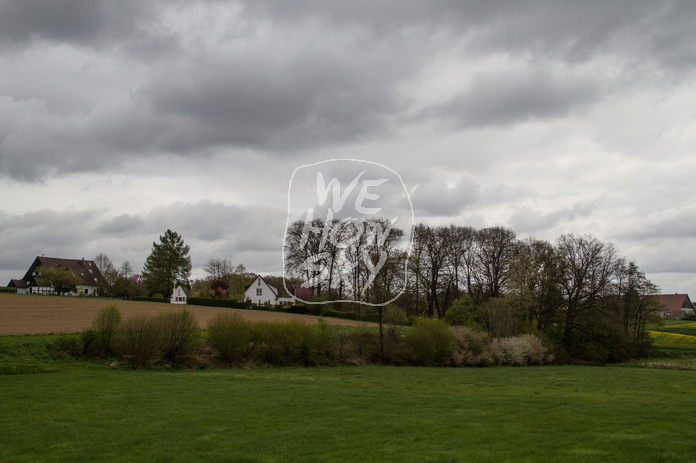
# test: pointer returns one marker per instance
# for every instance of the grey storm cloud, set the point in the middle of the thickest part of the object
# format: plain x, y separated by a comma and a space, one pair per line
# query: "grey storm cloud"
208, 228
126, 118
214, 223
436, 199
528, 220
129, 25
42, 232
571, 29
567, 29
505, 99
124, 223
309, 75
278, 104
673, 223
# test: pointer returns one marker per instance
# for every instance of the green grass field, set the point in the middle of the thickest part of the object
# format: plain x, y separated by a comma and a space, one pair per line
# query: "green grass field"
56, 408
86, 412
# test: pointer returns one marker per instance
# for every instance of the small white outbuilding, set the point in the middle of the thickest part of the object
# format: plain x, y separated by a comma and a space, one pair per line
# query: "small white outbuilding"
178, 296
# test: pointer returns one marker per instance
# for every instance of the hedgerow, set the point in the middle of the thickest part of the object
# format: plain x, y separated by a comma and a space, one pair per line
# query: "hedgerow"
174, 338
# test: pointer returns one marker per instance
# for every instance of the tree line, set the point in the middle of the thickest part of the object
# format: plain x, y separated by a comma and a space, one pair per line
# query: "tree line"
578, 291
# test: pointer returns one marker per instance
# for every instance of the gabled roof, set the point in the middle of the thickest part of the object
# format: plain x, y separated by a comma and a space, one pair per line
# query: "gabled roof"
86, 270
183, 290
273, 288
14, 283
674, 303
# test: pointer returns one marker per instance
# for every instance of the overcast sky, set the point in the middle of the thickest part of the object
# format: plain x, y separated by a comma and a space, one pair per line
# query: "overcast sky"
120, 119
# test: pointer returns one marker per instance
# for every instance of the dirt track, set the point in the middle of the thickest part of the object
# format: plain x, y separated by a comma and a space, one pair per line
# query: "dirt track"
34, 314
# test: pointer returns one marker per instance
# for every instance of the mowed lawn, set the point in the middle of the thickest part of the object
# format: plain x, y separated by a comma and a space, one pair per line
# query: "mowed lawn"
351, 414
35, 314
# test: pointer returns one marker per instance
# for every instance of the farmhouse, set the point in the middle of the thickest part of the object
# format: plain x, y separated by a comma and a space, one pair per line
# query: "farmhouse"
261, 292
86, 270
676, 306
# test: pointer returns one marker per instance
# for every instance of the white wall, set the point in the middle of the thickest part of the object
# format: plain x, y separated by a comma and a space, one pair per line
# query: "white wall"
267, 295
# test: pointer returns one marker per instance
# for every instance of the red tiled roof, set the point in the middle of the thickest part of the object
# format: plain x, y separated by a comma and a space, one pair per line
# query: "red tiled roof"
674, 303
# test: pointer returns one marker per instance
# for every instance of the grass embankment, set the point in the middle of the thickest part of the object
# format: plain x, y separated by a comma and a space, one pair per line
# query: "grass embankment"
350, 414
35, 354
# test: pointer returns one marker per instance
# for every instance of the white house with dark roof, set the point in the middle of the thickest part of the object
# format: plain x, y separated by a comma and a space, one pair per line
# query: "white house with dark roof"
260, 292
86, 270
178, 295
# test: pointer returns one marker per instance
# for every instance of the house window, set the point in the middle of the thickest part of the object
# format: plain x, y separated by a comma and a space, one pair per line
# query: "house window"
258, 282
258, 291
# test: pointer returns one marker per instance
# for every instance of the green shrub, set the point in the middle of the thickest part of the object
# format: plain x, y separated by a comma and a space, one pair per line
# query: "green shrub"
7, 289
471, 347
97, 339
315, 309
137, 342
89, 341
326, 342
522, 350
463, 313
229, 335
429, 343
179, 334
394, 315
289, 343
298, 309
360, 346
67, 344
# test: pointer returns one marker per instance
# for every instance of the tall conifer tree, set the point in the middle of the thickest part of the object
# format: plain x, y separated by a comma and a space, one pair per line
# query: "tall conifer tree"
168, 263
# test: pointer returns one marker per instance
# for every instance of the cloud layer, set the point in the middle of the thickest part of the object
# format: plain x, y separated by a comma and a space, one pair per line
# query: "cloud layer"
121, 119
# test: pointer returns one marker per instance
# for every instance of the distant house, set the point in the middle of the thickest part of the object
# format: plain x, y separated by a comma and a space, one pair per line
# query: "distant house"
676, 306
260, 292
86, 270
178, 296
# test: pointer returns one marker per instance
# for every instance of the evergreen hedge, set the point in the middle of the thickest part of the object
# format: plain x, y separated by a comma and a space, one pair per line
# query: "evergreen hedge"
211, 302
162, 300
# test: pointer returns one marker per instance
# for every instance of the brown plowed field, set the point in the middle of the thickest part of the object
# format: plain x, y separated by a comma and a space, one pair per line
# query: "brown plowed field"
35, 314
